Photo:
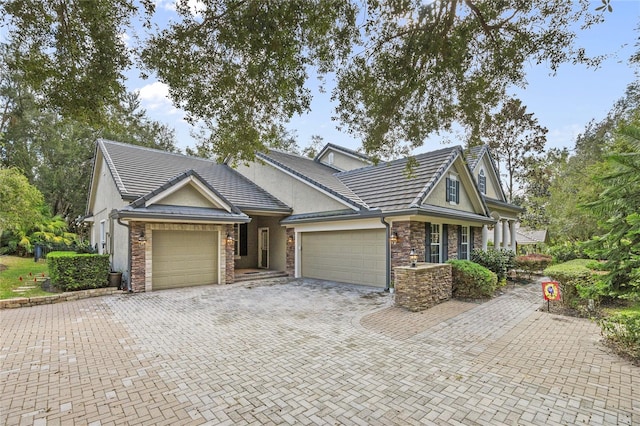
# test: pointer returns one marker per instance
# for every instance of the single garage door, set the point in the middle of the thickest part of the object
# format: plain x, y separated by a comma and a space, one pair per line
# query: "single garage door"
184, 258
356, 257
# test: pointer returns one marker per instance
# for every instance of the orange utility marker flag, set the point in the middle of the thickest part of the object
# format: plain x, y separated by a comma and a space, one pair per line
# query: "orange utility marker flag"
550, 291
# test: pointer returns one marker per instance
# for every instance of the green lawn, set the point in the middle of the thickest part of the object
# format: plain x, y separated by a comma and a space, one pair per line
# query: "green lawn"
12, 269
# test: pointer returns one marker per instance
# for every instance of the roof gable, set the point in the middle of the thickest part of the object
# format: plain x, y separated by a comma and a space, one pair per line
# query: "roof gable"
138, 171
342, 158
480, 158
168, 194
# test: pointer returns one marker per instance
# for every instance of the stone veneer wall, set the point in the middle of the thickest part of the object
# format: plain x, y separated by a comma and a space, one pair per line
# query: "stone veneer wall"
411, 235
452, 242
477, 237
138, 257
422, 287
291, 252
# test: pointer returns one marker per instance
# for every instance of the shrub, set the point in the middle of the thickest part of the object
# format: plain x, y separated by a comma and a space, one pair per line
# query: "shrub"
72, 271
533, 262
497, 261
569, 251
574, 277
471, 280
622, 332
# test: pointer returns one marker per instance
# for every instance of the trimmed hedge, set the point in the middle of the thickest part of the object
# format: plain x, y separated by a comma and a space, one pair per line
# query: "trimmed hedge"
471, 280
574, 277
72, 271
533, 262
497, 261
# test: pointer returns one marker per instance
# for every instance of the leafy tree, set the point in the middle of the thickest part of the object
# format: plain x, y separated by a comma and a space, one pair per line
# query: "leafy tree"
515, 137
71, 52
618, 207
317, 143
404, 69
20, 202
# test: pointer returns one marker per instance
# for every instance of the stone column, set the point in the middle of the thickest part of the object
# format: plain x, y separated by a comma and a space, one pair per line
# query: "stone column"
512, 225
505, 234
497, 235
485, 237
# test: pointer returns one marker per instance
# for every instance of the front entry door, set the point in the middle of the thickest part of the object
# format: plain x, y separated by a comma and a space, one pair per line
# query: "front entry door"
263, 248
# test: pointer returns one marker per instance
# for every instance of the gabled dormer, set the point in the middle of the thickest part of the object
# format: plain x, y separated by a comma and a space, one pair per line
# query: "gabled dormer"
342, 159
485, 172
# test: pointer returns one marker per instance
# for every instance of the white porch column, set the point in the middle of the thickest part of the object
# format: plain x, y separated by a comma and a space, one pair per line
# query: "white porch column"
497, 235
512, 226
485, 237
505, 234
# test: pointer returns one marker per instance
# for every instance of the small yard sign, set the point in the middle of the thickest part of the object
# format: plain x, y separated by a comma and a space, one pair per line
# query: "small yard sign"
550, 291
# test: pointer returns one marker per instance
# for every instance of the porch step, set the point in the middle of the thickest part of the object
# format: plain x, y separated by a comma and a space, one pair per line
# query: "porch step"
262, 275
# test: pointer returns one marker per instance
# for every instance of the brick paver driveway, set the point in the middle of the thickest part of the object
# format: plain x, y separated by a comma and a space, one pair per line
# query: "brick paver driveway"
307, 352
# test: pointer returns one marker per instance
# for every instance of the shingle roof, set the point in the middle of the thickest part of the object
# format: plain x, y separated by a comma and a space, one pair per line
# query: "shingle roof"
386, 185
138, 171
315, 173
474, 154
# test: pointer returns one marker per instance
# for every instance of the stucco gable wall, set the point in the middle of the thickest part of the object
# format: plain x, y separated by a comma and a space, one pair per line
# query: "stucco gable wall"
106, 197
187, 196
438, 196
301, 197
493, 185
343, 161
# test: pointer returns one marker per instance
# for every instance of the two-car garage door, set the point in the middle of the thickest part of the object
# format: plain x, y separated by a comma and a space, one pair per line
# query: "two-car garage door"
184, 258
347, 256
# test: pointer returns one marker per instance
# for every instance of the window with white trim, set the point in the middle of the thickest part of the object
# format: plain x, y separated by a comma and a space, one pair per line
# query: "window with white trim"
453, 189
464, 243
482, 182
436, 243
330, 158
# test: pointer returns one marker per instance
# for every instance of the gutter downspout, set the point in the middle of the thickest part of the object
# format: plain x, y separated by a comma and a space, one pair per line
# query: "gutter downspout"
388, 254
126, 225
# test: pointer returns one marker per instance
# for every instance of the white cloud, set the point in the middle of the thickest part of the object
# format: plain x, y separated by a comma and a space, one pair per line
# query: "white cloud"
155, 97
195, 6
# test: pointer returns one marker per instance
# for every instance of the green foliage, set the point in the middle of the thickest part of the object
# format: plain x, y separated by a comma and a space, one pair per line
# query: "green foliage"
574, 277
471, 280
622, 331
515, 137
71, 53
567, 251
20, 202
72, 271
50, 231
497, 261
533, 262
618, 207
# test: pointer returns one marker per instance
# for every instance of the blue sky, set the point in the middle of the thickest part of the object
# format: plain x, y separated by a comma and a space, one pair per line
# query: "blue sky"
564, 102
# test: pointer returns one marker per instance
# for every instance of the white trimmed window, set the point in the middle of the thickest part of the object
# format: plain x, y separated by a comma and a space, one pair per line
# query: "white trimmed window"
464, 243
482, 182
453, 189
436, 243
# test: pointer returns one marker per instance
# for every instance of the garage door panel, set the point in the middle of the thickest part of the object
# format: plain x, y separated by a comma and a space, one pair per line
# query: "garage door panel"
347, 256
184, 258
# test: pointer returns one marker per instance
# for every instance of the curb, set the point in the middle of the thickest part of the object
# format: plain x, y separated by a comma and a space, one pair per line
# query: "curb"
24, 302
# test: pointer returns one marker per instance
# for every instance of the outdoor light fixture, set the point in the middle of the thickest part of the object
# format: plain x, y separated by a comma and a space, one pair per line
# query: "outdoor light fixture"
141, 238
290, 239
394, 238
413, 257
229, 238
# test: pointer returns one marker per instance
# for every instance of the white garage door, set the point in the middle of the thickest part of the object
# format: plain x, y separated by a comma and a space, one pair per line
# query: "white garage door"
356, 257
184, 258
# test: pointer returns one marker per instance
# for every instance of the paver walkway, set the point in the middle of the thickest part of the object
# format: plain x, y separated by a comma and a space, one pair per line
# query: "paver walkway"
307, 352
